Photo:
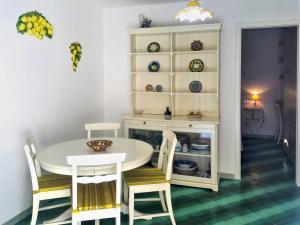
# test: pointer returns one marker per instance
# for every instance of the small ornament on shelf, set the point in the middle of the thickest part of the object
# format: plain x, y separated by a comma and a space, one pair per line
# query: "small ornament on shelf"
158, 88
144, 22
185, 148
149, 88
178, 147
168, 114
194, 114
196, 45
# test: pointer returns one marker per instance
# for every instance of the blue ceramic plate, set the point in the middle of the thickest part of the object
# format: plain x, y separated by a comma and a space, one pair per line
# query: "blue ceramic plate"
195, 86
153, 66
185, 164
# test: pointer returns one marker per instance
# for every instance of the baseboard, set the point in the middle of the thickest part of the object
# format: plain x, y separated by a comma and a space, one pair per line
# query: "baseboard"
19, 217
262, 136
227, 176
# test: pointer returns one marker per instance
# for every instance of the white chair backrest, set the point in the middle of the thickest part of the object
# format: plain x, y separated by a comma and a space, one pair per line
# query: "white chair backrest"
166, 153
96, 160
33, 173
101, 126
33, 154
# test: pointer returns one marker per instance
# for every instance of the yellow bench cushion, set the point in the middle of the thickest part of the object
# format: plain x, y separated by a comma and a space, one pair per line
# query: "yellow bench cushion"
96, 196
54, 182
143, 176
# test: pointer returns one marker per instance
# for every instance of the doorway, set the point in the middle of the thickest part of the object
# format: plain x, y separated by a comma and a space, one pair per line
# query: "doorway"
267, 69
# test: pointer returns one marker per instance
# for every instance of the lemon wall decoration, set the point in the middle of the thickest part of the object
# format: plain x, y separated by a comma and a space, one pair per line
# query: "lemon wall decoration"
35, 24
76, 51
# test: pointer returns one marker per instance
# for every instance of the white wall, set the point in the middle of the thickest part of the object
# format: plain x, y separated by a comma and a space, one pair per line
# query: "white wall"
260, 74
116, 59
39, 94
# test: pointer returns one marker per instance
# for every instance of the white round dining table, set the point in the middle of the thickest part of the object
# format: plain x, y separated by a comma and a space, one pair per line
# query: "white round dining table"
53, 158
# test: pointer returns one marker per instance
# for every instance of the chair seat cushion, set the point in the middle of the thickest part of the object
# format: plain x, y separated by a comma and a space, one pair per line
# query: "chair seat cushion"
54, 182
96, 196
144, 176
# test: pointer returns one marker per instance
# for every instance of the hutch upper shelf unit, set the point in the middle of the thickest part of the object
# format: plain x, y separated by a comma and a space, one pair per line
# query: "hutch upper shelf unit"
195, 113
174, 75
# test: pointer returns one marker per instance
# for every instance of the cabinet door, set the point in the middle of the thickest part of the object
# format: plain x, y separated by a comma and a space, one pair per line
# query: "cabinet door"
149, 134
195, 157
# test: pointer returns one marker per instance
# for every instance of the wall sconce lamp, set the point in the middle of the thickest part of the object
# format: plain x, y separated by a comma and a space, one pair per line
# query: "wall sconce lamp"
255, 98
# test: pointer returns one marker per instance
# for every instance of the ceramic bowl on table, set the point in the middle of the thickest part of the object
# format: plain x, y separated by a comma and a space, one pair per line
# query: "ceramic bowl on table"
99, 145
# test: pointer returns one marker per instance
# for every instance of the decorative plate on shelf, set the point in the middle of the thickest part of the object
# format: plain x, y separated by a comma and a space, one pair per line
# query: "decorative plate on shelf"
195, 86
196, 45
196, 65
149, 88
158, 88
153, 66
153, 47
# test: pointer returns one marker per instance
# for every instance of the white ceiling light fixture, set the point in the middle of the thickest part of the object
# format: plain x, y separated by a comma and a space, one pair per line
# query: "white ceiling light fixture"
194, 12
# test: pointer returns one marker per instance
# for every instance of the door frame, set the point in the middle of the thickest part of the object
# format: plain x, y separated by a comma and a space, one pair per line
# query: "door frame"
237, 90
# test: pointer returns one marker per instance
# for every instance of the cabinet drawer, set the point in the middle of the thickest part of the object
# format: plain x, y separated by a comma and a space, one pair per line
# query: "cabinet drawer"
191, 125
145, 122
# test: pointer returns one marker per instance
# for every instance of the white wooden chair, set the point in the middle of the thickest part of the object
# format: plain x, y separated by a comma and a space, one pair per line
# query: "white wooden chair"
143, 180
101, 126
96, 197
45, 187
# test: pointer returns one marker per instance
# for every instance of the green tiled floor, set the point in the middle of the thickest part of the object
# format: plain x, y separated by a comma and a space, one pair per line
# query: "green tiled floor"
267, 195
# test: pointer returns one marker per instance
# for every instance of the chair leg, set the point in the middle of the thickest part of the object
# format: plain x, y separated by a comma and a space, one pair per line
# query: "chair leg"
97, 222
169, 203
118, 218
125, 188
35, 208
162, 199
131, 206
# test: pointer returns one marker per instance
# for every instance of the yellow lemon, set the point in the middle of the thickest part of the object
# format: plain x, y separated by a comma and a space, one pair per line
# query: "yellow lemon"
35, 24
73, 58
44, 23
40, 19
33, 18
78, 49
29, 32
43, 32
22, 27
28, 19
24, 19
29, 25
74, 52
50, 32
38, 29
72, 47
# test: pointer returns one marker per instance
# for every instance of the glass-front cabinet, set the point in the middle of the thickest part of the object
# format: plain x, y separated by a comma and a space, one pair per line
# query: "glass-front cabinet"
195, 161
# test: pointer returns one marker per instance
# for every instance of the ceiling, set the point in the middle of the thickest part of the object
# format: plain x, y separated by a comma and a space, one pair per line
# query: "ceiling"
124, 3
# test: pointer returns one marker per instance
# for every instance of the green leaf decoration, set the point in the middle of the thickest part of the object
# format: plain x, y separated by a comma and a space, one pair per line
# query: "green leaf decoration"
35, 24
76, 51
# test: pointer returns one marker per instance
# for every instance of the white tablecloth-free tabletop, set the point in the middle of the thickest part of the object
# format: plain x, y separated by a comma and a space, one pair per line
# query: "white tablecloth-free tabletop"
53, 158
